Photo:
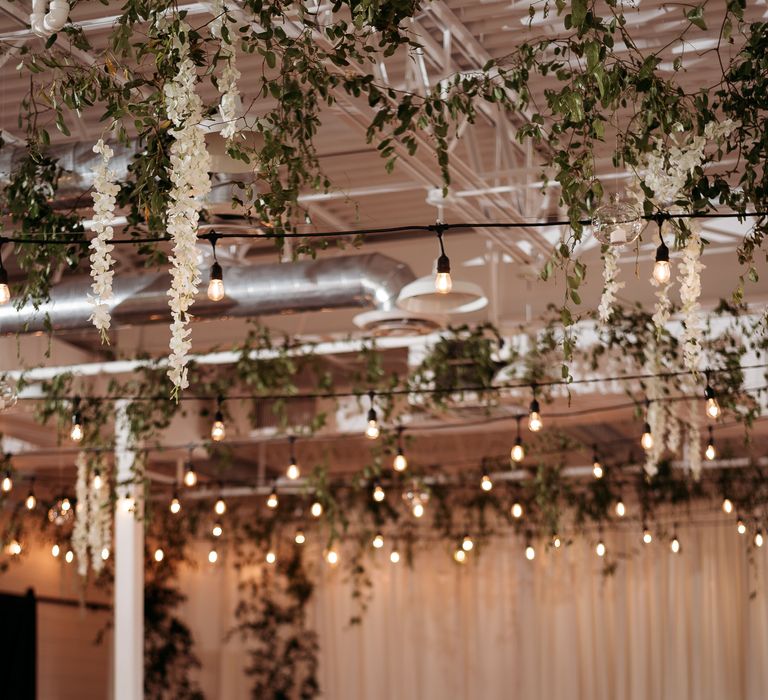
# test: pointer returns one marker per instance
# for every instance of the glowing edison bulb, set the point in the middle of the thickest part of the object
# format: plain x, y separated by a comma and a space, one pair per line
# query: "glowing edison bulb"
534, 417
518, 451
741, 528
597, 470
443, 283
467, 544
69, 557
674, 545
272, 500
299, 537
647, 439
759, 538
77, 432
394, 556
418, 510
316, 509
14, 548
218, 431
711, 407
378, 493
270, 557
293, 472
486, 483
662, 271
97, 482
710, 453
190, 477
105, 554
727, 506
332, 557
215, 287
66, 504
400, 463
217, 530
175, 505
55, 550
378, 541
517, 510
647, 536
159, 555
213, 556
556, 541
372, 429
621, 509
460, 555
7, 483
600, 549
220, 507
31, 501
530, 552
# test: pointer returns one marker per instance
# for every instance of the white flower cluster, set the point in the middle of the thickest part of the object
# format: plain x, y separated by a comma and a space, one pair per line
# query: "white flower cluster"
104, 194
80, 528
657, 415
190, 163
611, 286
690, 290
229, 105
100, 517
694, 440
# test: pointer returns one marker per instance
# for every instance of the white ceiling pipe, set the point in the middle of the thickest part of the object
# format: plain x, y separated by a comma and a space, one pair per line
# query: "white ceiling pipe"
44, 23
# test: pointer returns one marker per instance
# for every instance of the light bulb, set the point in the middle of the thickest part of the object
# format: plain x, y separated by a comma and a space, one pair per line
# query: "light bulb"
31, 501
372, 429
66, 504
556, 542
518, 451
460, 555
418, 510
710, 453
400, 463
534, 417
530, 552
727, 506
674, 545
378, 541
647, 439
662, 271
597, 470
220, 507
378, 494
190, 477
621, 509
55, 550
76, 434
332, 557
159, 555
216, 530
175, 505
517, 510
7, 483
299, 537
443, 283
69, 557
105, 554
213, 556
759, 538
216, 283
600, 549
647, 536
467, 544
293, 472
394, 556
14, 548
316, 509
97, 481
486, 483
270, 557
741, 528
218, 431
272, 500
712, 408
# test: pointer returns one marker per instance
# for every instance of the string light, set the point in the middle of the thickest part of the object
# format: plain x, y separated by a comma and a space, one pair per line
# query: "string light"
647, 439
292, 472
534, 414
299, 537
727, 505
270, 557
400, 463
759, 538
467, 544
443, 282
647, 536
394, 555
486, 483
69, 557
316, 509
418, 510
372, 426
14, 548
220, 507
518, 451
31, 500
556, 541
674, 545
712, 407
332, 556
175, 505
272, 500
5, 289
661, 267
7, 483
378, 493
66, 504
105, 554
213, 556
460, 556
218, 431
530, 552
517, 510
597, 467
97, 482
741, 527
190, 476
600, 548
217, 530
76, 433
378, 541
216, 278
621, 509
710, 453
55, 550
159, 555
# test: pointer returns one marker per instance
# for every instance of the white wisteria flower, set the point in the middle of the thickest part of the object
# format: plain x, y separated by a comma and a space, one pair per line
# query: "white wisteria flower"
694, 440
104, 197
656, 414
690, 290
80, 528
611, 286
190, 163
100, 516
229, 103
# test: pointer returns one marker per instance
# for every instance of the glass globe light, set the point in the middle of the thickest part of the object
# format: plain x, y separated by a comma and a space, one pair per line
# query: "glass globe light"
616, 223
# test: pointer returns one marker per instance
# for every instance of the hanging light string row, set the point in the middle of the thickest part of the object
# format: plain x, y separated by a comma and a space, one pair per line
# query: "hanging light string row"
421, 390
77, 237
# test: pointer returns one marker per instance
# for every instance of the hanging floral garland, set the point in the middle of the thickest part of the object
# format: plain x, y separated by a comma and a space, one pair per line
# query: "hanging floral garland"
656, 414
690, 291
190, 163
694, 440
100, 516
104, 194
229, 104
80, 528
611, 286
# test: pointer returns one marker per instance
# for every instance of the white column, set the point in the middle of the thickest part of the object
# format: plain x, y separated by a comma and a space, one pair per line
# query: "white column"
129, 569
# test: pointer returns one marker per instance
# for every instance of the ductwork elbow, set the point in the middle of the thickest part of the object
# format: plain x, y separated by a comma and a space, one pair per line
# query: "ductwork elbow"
44, 23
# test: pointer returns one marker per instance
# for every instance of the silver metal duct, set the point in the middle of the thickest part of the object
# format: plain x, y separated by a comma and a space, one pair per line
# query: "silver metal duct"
314, 285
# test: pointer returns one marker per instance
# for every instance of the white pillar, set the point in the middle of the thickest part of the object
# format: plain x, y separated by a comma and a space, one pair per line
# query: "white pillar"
129, 569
